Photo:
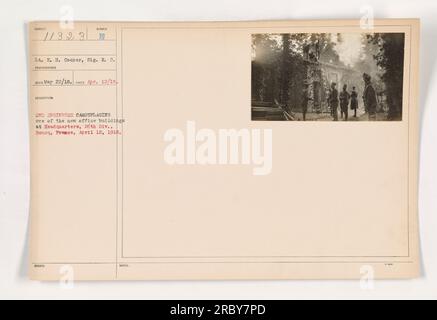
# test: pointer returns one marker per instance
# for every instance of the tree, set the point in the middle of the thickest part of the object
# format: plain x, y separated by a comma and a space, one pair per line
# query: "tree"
265, 56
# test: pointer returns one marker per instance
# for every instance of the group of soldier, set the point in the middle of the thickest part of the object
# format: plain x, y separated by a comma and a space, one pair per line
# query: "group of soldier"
344, 99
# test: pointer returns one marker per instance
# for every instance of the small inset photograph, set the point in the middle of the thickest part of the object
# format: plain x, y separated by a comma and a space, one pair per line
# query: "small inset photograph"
327, 76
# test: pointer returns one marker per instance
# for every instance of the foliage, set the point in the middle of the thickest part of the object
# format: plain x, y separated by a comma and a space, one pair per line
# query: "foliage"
390, 58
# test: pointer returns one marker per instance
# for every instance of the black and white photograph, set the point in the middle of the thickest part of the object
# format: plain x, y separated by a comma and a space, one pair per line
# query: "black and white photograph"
205, 157
327, 76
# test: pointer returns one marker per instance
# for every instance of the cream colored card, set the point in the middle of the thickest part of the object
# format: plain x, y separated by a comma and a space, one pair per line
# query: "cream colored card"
180, 150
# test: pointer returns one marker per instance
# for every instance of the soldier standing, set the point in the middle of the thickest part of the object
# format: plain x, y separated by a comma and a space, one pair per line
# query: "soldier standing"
354, 101
369, 97
344, 103
305, 101
333, 101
